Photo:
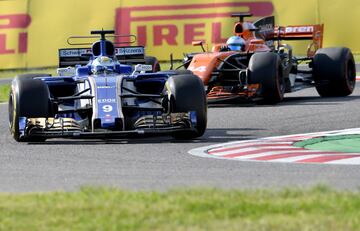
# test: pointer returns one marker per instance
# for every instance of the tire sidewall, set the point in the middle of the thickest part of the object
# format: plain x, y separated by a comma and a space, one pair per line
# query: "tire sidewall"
265, 69
187, 93
331, 71
24, 92
13, 114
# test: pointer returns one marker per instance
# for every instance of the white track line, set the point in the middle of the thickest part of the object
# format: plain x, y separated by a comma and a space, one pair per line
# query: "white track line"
251, 149
350, 161
296, 158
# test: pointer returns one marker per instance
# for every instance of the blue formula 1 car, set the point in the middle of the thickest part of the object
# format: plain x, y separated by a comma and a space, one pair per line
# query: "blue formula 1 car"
106, 99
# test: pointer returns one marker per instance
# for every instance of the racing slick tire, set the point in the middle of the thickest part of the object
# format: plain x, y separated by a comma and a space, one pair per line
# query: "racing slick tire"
188, 94
334, 72
33, 75
150, 60
28, 98
265, 69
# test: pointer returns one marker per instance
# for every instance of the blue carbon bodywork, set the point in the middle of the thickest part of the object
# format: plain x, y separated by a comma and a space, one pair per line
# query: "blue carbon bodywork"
107, 100
193, 118
106, 90
95, 96
22, 126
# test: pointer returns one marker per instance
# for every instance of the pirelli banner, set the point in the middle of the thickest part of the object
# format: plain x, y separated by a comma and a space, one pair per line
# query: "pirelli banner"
32, 31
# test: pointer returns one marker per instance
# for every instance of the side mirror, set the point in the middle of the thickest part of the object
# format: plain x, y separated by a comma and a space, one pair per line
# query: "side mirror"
199, 43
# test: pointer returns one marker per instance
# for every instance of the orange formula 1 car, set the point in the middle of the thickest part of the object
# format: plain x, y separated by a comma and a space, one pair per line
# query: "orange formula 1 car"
255, 64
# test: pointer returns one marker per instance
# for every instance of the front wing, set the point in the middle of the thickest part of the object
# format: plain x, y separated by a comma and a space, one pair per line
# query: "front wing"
69, 128
144, 132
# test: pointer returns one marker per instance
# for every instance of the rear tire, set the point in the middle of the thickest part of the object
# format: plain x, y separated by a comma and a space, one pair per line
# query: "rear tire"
150, 60
334, 72
188, 94
265, 69
28, 98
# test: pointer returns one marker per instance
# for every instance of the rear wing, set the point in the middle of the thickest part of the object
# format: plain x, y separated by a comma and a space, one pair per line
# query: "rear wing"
265, 30
70, 57
302, 32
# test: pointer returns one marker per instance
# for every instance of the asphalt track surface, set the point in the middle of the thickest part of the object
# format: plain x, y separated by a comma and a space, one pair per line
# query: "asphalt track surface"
163, 163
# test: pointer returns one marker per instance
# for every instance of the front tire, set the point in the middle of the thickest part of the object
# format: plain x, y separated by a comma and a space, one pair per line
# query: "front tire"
265, 69
28, 98
334, 72
188, 94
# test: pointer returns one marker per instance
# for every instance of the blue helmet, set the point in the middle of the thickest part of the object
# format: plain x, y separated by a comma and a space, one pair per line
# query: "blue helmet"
235, 43
103, 64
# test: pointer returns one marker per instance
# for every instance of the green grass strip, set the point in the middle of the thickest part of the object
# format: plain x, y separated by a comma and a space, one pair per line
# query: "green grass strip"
4, 92
317, 209
341, 143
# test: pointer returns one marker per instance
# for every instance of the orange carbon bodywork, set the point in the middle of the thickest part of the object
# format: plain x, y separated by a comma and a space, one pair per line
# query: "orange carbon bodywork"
219, 92
205, 64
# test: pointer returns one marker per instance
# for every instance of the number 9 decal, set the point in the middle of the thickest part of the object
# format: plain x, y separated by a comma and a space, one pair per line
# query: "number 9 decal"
107, 108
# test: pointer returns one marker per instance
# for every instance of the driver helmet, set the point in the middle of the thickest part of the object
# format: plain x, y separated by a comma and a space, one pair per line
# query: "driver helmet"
103, 64
235, 43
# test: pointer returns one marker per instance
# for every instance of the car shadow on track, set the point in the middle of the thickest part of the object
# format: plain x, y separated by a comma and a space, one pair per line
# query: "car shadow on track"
212, 135
289, 101
316, 100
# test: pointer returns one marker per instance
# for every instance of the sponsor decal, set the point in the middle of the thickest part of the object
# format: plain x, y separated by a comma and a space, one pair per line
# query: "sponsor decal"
118, 51
68, 71
142, 68
130, 51
299, 29
171, 26
17, 22
106, 101
266, 28
197, 69
73, 52
105, 87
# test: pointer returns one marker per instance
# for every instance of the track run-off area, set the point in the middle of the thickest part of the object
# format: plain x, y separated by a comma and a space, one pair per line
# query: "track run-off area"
320, 148
161, 163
